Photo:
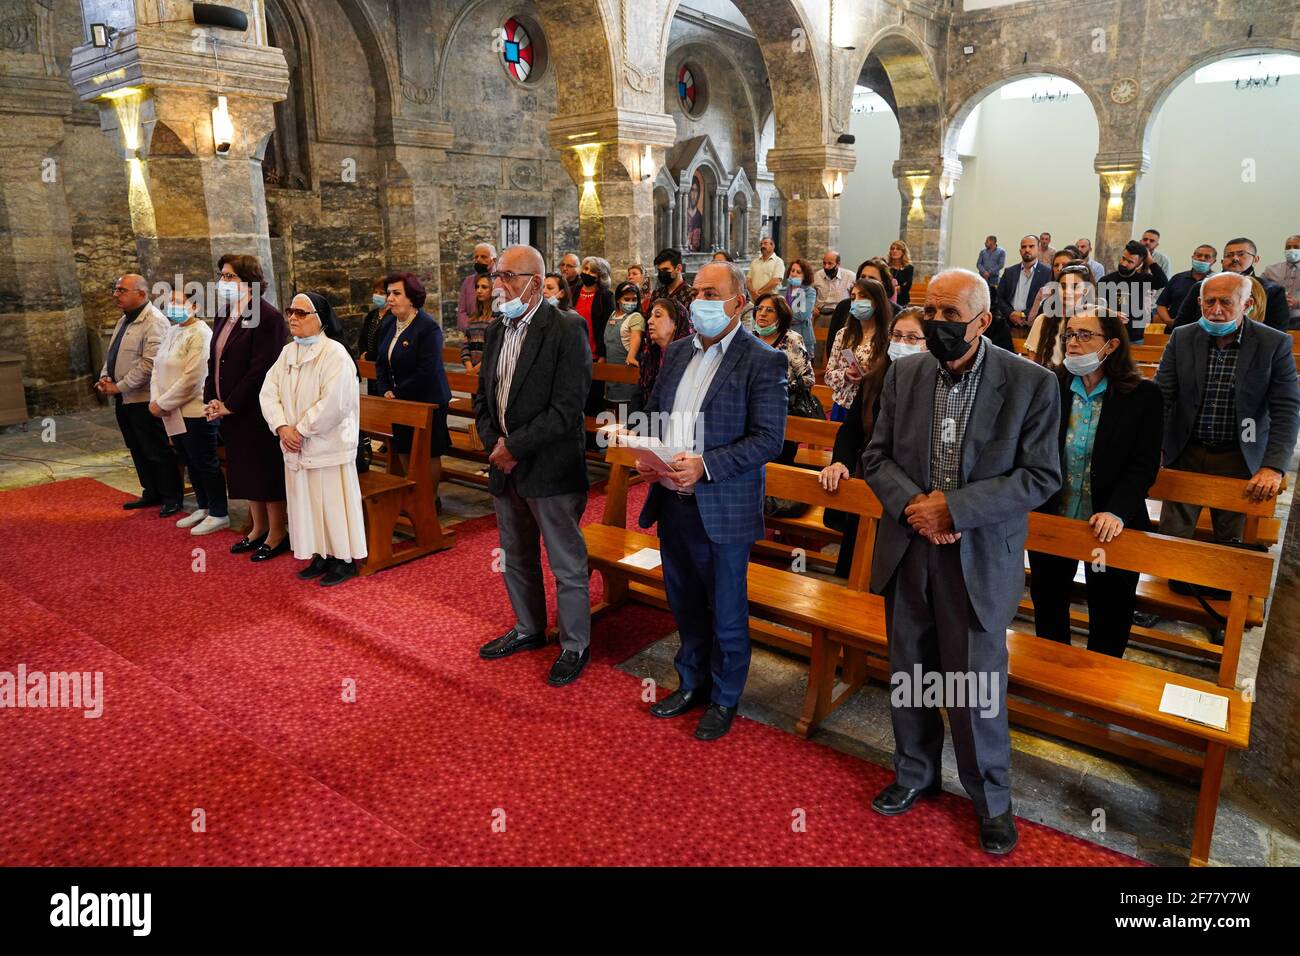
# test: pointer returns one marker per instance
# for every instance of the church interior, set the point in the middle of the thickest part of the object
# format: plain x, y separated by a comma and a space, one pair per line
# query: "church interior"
325, 151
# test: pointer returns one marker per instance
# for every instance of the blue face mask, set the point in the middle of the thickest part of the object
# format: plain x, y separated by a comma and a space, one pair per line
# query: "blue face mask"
796, 281
1217, 328
306, 339
514, 308
178, 313
709, 317
378, 301
554, 300
628, 307
1199, 267
862, 308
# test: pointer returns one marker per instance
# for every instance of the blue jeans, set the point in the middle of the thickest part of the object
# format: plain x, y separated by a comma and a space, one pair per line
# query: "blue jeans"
197, 450
706, 585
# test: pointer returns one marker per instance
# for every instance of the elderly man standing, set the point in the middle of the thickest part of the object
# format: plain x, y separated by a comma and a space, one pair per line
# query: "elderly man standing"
569, 266
126, 375
1232, 404
485, 257
831, 282
528, 408
1287, 274
949, 555
724, 392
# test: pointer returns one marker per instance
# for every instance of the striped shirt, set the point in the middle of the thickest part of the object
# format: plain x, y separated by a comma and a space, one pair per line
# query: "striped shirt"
512, 343
954, 397
1216, 422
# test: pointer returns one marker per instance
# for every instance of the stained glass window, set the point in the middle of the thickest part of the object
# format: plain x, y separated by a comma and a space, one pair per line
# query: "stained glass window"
517, 51
686, 88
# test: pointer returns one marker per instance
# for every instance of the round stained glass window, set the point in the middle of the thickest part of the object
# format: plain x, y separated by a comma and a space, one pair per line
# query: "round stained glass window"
686, 90
518, 50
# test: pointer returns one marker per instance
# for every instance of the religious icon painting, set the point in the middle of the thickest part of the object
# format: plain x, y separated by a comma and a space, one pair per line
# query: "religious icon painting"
517, 50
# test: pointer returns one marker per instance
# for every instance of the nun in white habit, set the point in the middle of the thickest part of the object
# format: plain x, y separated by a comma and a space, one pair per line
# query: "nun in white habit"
311, 400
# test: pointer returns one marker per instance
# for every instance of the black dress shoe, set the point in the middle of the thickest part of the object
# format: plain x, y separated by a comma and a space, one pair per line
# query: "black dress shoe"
567, 667
247, 544
170, 509
140, 503
511, 642
998, 835
1143, 619
339, 571
319, 565
715, 722
680, 701
263, 553
896, 798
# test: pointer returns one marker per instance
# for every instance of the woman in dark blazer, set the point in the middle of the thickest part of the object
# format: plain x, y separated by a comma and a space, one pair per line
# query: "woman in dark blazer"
408, 364
1112, 421
900, 267
247, 338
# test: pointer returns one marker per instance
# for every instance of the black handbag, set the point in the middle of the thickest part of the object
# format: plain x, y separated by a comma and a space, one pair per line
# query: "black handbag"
803, 403
365, 453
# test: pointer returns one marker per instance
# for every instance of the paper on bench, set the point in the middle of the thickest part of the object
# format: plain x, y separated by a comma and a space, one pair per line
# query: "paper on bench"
1195, 705
647, 559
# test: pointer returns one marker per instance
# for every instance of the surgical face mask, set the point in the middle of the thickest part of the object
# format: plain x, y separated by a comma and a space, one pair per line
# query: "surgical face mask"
554, 300
378, 301
1083, 364
709, 316
898, 349
306, 339
514, 308
178, 313
1217, 328
1292, 255
766, 330
796, 281
862, 308
947, 340
1199, 267
228, 290
627, 307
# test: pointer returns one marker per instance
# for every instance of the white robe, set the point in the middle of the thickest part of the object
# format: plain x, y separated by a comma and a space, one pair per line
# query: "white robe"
315, 389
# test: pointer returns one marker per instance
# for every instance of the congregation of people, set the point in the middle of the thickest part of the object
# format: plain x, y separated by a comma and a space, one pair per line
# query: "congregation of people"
999, 392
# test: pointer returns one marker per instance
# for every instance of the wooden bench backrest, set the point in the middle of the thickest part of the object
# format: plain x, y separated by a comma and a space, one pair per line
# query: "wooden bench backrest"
815, 432
463, 382
1211, 491
366, 368
379, 415
615, 372
451, 355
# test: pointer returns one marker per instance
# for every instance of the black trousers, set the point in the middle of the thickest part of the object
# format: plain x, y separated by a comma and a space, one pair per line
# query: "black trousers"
1112, 596
155, 462
197, 451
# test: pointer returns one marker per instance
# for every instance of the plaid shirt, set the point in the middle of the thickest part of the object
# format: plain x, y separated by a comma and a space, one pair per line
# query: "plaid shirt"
1216, 422
954, 397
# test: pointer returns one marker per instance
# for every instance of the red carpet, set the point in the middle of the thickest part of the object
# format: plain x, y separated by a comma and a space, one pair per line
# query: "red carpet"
223, 691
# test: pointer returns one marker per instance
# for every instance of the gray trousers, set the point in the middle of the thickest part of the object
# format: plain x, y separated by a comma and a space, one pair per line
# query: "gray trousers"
522, 524
1179, 520
929, 621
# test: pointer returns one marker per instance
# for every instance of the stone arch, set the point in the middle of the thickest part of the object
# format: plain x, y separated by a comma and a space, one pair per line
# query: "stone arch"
917, 98
583, 59
289, 162
1159, 91
735, 77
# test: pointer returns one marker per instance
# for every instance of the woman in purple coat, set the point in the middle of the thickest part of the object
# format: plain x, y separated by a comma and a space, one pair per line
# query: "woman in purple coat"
247, 338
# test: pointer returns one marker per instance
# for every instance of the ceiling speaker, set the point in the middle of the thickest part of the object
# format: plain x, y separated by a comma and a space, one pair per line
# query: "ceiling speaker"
216, 15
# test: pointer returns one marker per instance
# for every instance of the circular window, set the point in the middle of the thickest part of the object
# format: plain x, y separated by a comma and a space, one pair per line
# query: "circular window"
523, 53
691, 89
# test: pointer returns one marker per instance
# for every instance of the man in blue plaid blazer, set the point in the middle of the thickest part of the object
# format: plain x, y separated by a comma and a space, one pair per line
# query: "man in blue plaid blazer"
725, 393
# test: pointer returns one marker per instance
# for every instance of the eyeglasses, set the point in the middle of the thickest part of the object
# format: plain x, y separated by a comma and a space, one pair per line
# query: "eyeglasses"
911, 338
118, 290
510, 276
1239, 254
1083, 335
297, 313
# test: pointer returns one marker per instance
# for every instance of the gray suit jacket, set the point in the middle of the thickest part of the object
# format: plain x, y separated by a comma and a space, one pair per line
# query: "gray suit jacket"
1266, 389
1010, 465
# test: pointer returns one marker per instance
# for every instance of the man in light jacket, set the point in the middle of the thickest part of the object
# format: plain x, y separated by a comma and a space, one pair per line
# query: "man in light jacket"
125, 376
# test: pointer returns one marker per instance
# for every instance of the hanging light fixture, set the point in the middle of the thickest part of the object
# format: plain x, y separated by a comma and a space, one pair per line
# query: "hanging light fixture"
223, 130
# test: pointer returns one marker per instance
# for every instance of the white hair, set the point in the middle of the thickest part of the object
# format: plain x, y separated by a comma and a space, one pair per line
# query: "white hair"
492, 250
602, 269
977, 290
1244, 287
737, 274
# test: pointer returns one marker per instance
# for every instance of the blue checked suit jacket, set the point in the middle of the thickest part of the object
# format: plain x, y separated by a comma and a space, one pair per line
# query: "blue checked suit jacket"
742, 428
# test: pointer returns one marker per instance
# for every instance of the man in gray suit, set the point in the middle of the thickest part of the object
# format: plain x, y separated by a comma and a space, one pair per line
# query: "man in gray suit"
964, 447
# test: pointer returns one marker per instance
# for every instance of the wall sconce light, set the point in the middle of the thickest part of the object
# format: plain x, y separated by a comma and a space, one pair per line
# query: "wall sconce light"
101, 34
223, 130
838, 187
647, 164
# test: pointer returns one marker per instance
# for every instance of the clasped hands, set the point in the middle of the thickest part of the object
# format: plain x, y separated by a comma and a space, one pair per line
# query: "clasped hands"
928, 516
290, 437
501, 457
685, 470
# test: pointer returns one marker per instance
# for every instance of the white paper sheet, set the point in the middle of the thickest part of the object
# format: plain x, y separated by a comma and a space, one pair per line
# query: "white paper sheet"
1195, 705
647, 559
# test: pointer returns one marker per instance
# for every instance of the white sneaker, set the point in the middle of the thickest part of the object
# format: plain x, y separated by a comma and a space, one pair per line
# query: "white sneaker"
193, 518
210, 524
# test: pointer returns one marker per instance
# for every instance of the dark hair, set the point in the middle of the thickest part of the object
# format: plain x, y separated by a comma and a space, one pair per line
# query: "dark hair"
483, 310
651, 355
1120, 371
1206, 245
1242, 239
1073, 251
377, 284
248, 268
874, 378
802, 264
784, 316
882, 267
564, 287
623, 289
1053, 310
994, 238
668, 255
882, 315
412, 286
724, 253
1154, 232
1135, 247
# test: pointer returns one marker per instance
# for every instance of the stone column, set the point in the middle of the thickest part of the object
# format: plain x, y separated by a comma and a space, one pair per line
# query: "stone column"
924, 220
1118, 172
40, 298
156, 87
606, 155
724, 222
806, 178
411, 162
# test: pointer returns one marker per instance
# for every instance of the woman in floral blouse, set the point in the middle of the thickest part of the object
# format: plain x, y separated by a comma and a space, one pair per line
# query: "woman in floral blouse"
772, 318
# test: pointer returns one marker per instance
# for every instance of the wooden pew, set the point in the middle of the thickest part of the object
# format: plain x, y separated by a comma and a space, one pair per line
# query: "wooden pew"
386, 496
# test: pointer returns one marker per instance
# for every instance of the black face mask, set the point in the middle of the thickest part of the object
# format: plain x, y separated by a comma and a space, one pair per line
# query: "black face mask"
666, 277
946, 340
588, 279
480, 268
832, 272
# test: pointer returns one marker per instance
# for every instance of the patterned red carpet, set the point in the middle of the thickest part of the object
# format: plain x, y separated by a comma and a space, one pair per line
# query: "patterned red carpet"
225, 738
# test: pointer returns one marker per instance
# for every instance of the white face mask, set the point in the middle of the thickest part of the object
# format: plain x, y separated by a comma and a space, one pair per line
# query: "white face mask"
898, 349
1292, 255
228, 290
1083, 364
